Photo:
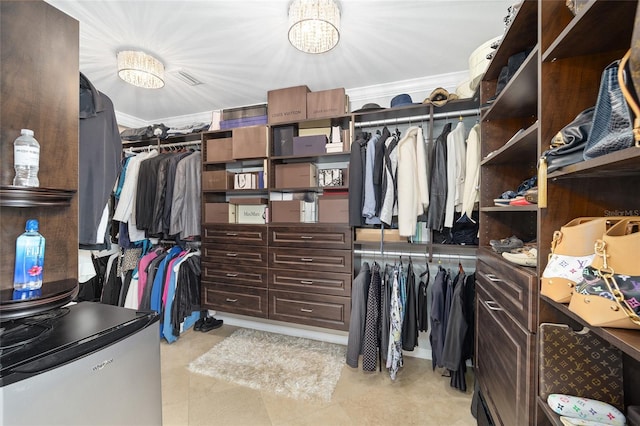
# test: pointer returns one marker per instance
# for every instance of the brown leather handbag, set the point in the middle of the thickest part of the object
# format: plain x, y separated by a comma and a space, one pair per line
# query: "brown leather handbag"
579, 363
609, 294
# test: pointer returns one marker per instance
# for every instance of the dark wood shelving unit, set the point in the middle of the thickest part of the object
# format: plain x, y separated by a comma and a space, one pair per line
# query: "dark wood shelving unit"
17, 196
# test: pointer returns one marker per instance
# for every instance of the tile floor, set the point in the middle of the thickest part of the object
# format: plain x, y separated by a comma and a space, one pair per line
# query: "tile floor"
418, 396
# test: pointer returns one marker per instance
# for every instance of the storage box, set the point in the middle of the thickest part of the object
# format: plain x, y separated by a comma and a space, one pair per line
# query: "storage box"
283, 140
248, 200
250, 142
219, 149
244, 112
327, 103
251, 213
296, 175
217, 179
330, 177
371, 234
243, 122
333, 209
287, 105
309, 145
245, 181
296, 211
219, 213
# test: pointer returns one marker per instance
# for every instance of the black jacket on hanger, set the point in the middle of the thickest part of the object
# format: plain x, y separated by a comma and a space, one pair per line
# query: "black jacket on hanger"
438, 182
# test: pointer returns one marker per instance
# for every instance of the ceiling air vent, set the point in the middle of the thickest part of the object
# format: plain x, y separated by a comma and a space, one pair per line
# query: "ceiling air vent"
186, 77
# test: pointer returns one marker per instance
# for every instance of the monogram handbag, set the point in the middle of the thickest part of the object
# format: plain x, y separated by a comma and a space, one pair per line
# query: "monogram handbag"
579, 363
609, 293
572, 249
611, 128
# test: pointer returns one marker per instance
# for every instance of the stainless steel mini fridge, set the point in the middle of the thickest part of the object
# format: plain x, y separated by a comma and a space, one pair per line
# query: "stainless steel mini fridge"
84, 364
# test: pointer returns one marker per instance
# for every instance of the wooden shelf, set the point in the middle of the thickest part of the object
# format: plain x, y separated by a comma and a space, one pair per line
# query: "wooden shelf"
628, 341
319, 158
51, 295
257, 191
258, 161
19, 196
529, 208
596, 28
548, 412
520, 149
625, 162
519, 98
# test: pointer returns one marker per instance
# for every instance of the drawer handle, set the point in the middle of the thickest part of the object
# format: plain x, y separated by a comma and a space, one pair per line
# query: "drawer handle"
306, 237
306, 282
232, 254
232, 234
232, 300
306, 259
493, 305
493, 278
231, 275
306, 310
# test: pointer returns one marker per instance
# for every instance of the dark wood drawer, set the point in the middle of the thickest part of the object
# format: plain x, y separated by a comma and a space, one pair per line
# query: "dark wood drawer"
310, 282
236, 234
505, 360
235, 299
311, 309
311, 260
331, 237
235, 255
231, 274
515, 288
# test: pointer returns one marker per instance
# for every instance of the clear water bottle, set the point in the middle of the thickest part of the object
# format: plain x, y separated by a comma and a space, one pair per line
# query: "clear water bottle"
29, 258
26, 159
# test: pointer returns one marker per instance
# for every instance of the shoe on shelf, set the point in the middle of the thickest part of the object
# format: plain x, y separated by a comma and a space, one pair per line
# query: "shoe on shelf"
506, 244
211, 323
519, 201
531, 195
522, 257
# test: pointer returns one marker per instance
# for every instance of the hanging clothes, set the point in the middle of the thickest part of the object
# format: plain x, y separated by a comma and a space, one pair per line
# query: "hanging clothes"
185, 211
423, 312
394, 350
413, 185
410, 321
437, 316
359, 291
378, 171
456, 158
438, 182
372, 322
99, 151
389, 207
471, 194
357, 170
369, 205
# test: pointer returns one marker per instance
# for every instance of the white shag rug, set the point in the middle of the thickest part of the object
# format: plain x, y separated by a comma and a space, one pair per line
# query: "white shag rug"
288, 366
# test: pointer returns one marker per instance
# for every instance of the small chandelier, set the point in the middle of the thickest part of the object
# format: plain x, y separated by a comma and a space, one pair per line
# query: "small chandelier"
140, 69
314, 25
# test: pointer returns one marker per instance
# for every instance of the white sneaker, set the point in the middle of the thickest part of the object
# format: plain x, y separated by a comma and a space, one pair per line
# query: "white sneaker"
524, 257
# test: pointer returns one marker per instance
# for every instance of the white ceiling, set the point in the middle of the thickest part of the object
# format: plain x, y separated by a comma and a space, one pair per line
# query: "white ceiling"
239, 49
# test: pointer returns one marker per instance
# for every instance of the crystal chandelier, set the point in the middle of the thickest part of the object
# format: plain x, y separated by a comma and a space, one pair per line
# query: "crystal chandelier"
140, 69
314, 25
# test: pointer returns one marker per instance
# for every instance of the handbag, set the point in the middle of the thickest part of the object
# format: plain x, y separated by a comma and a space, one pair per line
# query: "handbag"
629, 92
611, 128
567, 146
570, 359
572, 249
609, 293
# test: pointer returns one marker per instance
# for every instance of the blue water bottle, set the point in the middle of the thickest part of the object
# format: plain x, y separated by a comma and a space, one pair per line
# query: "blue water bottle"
29, 258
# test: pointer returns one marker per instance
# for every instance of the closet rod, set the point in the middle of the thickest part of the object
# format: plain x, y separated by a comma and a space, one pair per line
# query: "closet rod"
407, 254
161, 145
451, 114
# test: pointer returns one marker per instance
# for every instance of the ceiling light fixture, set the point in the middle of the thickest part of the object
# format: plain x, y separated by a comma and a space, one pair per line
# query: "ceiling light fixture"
140, 69
314, 25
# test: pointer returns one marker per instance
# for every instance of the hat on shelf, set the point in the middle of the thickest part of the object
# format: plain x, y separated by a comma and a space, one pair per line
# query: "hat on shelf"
369, 107
402, 100
439, 97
